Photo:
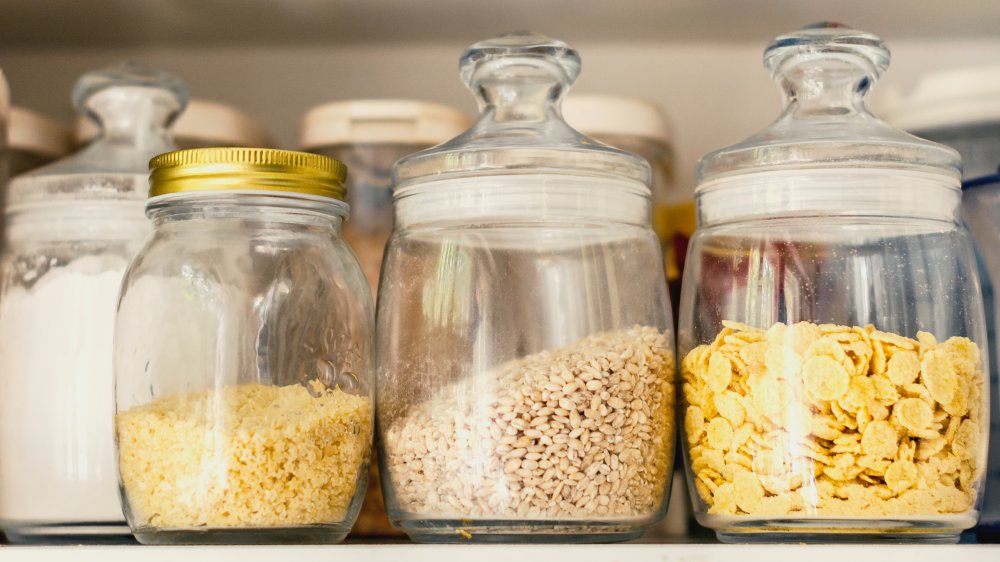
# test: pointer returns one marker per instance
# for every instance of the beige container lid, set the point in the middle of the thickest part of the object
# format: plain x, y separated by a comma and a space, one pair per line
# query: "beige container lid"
204, 121
33, 132
380, 121
597, 115
945, 98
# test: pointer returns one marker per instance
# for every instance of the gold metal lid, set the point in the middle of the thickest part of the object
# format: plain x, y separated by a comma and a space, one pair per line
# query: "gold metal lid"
233, 169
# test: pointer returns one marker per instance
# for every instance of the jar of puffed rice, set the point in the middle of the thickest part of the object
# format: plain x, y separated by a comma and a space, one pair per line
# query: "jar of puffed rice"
243, 354
831, 325
525, 353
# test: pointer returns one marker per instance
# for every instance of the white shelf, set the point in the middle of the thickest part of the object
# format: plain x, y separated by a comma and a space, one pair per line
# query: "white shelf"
514, 552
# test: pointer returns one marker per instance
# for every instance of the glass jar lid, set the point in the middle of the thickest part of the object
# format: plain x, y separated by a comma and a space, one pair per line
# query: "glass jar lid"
519, 81
247, 169
825, 71
133, 105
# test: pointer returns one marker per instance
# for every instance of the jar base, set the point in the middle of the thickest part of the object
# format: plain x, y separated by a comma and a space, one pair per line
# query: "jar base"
507, 531
101, 532
944, 530
311, 534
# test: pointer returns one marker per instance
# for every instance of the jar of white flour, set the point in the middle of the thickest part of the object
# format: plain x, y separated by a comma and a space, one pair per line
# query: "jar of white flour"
72, 228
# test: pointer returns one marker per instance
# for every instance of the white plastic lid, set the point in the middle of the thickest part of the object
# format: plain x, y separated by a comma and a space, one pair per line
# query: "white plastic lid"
380, 121
598, 115
946, 98
205, 122
33, 132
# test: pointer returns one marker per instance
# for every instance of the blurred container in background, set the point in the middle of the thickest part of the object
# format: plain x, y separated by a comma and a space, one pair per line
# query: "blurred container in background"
369, 135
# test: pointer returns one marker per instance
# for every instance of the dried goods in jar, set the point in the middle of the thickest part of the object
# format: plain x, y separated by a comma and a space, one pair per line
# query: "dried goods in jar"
826, 420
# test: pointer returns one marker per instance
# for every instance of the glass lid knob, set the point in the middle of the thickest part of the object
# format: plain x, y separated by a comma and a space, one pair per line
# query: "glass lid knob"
169, 90
519, 80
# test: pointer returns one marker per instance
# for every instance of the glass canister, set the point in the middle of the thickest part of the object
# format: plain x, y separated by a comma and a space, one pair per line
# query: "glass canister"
72, 228
525, 357
831, 324
981, 211
369, 135
36, 140
243, 354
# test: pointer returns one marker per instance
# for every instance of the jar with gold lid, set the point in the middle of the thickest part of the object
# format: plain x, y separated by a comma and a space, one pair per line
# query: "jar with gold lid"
244, 354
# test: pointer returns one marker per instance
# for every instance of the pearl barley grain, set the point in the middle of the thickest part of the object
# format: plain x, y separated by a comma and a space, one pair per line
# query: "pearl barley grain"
532, 450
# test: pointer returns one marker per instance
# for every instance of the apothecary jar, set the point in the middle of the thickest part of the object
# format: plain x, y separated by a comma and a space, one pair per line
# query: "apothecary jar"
525, 352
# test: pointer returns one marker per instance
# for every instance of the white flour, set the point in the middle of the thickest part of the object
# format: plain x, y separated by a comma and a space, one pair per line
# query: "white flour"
56, 396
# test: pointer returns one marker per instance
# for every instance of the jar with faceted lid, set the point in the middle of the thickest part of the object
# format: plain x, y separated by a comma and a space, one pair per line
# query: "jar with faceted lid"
243, 354
831, 322
525, 357
72, 227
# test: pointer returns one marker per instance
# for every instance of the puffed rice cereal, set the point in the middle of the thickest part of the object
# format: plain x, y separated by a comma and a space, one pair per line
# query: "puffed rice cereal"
839, 421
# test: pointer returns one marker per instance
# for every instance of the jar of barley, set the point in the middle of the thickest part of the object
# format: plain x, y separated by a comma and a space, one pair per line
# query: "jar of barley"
524, 344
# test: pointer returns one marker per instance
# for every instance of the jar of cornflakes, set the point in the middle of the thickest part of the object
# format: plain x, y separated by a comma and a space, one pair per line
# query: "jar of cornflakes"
831, 324
243, 354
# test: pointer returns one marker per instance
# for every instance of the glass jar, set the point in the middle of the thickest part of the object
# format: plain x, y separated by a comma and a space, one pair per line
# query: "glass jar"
525, 358
243, 354
831, 324
72, 228
981, 211
369, 135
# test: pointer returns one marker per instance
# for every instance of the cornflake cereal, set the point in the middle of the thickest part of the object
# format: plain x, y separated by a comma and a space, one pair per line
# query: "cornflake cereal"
246, 456
571, 433
840, 421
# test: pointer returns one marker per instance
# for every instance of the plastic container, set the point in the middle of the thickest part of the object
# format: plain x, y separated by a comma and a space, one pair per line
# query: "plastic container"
369, 135
831, 321
981, 211
959, 107
204, 124
525, 362
642, 127
72, 228
243, 354
36, 140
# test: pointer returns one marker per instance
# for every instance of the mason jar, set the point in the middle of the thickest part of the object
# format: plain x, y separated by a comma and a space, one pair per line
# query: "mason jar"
525, 351
831, 325
71, 229
243, 354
